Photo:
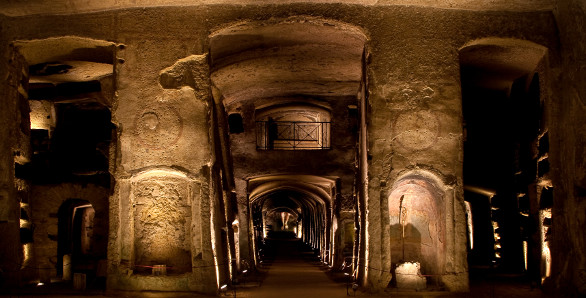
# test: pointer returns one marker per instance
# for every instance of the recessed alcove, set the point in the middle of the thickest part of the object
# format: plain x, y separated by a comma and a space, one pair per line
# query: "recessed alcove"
161, 213
417, 224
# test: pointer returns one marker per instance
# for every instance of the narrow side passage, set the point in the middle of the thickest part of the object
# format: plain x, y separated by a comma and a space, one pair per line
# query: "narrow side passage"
292, 270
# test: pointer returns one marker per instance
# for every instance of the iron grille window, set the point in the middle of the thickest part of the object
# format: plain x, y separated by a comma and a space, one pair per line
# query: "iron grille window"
292, 135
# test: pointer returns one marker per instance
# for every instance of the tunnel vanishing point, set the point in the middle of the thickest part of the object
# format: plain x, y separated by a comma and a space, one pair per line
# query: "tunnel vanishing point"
409, 143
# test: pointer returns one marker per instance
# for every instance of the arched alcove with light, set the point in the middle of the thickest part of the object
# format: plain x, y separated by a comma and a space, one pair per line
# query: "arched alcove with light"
417, 224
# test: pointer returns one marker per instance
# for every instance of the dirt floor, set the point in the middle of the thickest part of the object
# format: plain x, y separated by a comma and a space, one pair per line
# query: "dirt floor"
291, 270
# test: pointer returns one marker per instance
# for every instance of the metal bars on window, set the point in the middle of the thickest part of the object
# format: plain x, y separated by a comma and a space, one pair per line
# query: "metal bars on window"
292, 135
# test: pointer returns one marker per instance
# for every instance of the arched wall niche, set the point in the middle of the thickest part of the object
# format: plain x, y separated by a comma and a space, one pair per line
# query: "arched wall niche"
161, 212
417, 221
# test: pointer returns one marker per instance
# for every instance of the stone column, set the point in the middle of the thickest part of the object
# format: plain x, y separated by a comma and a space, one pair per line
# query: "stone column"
415, 125
162, 208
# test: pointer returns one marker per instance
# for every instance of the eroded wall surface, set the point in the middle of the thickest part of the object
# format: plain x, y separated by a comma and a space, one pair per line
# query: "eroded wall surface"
414, 122
569, 261
164, 171
48, 203
14, 191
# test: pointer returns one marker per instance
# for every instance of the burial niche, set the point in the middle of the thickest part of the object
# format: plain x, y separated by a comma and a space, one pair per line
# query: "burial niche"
416, 228
162, 220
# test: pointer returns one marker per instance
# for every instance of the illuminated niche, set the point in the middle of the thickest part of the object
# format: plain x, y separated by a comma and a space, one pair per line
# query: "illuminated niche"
417, 231
161, 211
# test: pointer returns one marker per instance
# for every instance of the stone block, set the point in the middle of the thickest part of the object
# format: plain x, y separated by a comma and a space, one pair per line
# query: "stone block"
409, 277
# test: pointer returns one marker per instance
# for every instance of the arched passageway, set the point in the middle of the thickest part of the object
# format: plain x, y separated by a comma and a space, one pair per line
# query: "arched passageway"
506, 162
294, 207
286, 108
63, 165
76, 246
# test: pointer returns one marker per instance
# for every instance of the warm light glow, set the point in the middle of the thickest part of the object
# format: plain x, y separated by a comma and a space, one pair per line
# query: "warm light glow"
409, 276
525, 253
236, 228
214, 252
285, 220
299, 230
546, 257
27, 250
42, 114
495, 225
470, 224
230, 261
545, 251
264, 226
40, 284
159, 173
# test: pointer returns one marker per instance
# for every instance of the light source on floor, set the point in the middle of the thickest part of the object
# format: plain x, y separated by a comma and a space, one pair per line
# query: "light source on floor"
525, 249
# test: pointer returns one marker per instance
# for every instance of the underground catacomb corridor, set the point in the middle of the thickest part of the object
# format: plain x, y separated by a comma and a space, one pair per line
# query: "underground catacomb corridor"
264, 148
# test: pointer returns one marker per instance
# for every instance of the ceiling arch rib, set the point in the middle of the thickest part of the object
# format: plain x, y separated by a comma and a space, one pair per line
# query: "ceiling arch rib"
314, 187
308, 196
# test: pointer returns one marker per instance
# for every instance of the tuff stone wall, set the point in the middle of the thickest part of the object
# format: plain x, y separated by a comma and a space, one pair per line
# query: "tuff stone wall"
414, 112
15, 150
568, 153
46, 201
164, 197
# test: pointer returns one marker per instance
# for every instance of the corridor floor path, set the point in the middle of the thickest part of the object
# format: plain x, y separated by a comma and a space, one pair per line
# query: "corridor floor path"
293, 273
